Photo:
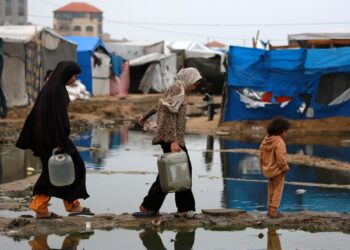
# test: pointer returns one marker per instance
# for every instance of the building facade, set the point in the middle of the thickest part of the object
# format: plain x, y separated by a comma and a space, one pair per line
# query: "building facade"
14, 12
78, 19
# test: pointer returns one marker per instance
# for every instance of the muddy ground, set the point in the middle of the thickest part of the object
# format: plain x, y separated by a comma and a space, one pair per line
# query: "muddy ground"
211, 219
110, 111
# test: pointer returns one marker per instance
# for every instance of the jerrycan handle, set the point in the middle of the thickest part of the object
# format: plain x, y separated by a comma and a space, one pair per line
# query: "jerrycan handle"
54, 151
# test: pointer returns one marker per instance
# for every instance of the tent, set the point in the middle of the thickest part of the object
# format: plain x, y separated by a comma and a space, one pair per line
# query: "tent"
29, 51
154, 72
94, 61
209, 62
150, 69
133, 50
294, 83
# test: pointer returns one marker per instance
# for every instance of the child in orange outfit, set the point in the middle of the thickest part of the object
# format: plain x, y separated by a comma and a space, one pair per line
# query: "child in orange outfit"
273, 154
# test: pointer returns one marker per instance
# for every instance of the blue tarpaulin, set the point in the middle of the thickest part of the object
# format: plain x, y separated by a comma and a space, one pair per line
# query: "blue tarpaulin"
291, 73
85, 50
117, 63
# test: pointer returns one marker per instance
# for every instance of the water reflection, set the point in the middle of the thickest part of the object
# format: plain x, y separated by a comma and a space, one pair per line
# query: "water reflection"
209, 155
123, 150
252, 195
184, 240
273, 240
17, 164
70, 242
102, 140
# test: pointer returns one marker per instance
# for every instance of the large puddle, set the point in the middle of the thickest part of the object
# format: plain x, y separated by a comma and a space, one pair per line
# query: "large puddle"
226, 180
183, 240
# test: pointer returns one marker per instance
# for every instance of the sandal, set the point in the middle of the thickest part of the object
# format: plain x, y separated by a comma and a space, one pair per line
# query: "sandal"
84, 211
52, 216
145, 214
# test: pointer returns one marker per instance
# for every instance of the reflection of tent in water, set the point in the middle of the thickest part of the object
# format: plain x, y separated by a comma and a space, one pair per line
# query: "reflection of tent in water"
150, 69
29, 51
297, 84
209, 62
94, 61
102, 140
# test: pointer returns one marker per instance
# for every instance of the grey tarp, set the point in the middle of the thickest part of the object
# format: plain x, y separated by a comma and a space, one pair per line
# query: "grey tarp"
132, 50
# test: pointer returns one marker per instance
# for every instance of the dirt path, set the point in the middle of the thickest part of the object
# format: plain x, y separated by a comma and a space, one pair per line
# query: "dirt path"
212, 219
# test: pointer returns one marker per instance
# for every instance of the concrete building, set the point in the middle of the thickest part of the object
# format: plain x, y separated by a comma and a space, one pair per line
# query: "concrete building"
14, 12
78, 19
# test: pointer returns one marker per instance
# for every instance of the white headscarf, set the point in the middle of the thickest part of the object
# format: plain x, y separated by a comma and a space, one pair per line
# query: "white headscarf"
184, 78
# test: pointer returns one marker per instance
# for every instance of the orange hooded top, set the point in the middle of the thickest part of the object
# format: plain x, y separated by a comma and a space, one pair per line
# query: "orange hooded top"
273, 156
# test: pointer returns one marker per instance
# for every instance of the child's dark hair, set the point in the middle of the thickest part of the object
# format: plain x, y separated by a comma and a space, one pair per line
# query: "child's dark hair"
278, 126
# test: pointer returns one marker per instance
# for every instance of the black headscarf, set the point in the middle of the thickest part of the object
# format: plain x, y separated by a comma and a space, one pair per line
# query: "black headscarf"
47, 125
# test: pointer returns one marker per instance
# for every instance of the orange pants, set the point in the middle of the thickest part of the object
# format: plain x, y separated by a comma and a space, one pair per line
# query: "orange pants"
273, 240
40, 204
275, 190
40, 242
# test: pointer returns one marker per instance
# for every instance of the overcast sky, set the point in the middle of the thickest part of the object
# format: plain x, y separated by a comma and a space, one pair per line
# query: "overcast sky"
239, 20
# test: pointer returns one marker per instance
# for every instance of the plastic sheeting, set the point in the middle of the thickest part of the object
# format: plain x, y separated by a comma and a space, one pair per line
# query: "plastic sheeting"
132, 50
292, 73
100, 75
124, 83
13, 83
86, 47
198, 50
35, 49
117, 63
159, 75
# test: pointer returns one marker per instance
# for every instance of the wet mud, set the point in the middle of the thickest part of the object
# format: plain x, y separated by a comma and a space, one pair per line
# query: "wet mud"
211, 219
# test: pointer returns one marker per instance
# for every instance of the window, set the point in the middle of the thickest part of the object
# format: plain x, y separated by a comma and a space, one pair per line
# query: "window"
77, 28
97, 16
78, 15
89, 29
63, 15
21, 8
99, 28
64, 28
8, 8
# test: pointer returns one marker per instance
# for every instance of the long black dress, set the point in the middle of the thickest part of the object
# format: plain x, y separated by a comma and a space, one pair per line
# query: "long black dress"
47, 127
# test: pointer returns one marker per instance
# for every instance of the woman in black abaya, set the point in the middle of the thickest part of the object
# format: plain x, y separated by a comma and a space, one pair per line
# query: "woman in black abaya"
46, 128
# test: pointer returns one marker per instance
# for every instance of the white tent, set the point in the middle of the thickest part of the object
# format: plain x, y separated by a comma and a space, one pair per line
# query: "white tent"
159, 75
197, 50
132, 50
29, 51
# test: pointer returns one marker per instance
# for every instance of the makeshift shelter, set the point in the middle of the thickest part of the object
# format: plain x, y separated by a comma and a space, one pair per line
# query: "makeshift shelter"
29, 51
296, 84
154, 72
94, 61
209, 62
319, 40
133, 50
150, 69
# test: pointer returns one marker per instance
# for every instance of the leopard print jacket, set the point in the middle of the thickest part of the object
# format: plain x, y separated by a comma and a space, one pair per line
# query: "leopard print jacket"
170, 126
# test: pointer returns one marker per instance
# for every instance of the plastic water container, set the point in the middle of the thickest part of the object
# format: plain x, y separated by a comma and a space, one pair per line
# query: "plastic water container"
61, 170
174, 172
